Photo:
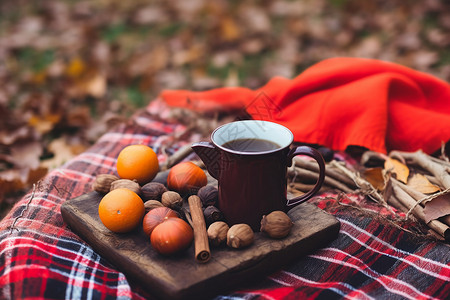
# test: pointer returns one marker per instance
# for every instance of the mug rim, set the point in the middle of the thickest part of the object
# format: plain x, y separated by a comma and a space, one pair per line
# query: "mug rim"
289, 132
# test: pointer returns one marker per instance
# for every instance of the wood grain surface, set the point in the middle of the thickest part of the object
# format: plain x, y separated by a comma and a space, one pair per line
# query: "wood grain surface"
181, 277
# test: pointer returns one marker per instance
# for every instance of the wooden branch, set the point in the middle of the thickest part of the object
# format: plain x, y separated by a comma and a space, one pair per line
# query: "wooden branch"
330, 172
439, 170
301, 174
420, 197
365, 186
411, 204
202, 252
304, 188
372, 158
397, 204
176, 157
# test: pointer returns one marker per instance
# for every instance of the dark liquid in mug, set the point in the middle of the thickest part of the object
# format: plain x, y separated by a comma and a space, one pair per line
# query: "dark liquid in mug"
251, 145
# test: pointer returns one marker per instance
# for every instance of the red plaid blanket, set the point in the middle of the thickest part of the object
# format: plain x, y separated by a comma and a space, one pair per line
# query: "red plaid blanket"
40, 257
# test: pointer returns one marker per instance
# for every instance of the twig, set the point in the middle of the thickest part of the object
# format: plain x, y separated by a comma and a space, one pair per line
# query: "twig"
370, 157
25, 209
421, 198
303, 187
424, 161
365, 186
410, 203
443, 155
425, 198
176, 157
300, 174
330, 172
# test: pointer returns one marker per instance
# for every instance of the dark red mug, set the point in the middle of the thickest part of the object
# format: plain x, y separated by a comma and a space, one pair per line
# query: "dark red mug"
250, 160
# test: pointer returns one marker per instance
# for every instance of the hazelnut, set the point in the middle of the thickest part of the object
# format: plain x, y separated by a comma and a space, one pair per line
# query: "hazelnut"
153, 191
208, 194
240, 235
102, 182
277, 224
217, 233
172, 200
151, 204
127, 184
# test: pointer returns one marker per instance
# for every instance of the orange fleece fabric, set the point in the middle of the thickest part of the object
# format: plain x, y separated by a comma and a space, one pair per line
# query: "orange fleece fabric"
341, 102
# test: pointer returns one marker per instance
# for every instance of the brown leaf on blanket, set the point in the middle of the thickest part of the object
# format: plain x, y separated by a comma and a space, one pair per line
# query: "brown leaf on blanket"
376, 177
421, 184
400, 170
437, 207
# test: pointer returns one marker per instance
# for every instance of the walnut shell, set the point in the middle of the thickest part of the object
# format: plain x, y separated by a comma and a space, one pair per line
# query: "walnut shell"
172, 200
240, 235
127, 184
217, 233
277, 224
153, 191
151, 204
102, 182
209, 195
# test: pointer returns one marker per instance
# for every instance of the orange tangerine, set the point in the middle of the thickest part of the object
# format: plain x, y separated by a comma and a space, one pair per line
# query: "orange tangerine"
137, 162
121, 210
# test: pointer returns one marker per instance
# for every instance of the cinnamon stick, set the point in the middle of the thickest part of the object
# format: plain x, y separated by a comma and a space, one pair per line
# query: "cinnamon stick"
202, 252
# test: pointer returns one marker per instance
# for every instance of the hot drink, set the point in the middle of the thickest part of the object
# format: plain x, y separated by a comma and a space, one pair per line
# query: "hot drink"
249, 159
251, 145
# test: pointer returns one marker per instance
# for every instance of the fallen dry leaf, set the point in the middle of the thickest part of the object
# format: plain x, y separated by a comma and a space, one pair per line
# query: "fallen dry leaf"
437, 207
95, 85
229, 30
14, 180
421, 184
376, 177
44, 124
63, 152
400, 170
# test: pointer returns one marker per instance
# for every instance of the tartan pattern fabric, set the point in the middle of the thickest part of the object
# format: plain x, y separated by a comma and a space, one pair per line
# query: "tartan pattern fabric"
41, 258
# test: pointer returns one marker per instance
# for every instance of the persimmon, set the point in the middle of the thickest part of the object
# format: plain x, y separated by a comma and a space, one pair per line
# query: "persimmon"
172, 236
121, 210
137, 162
186, 177
155, 217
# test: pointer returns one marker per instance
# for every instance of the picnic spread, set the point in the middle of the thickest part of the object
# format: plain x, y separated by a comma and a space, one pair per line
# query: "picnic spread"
356, 238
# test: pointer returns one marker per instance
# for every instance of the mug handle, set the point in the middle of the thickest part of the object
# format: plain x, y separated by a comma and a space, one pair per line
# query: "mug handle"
313, 153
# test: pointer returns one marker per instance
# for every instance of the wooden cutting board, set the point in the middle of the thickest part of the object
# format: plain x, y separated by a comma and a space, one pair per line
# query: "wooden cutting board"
181, 277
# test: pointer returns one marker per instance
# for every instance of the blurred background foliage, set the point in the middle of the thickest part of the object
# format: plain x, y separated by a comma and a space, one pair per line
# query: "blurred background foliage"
71, 69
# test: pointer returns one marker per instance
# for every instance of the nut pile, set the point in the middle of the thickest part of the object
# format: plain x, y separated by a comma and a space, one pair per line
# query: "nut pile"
276, 225
157, 197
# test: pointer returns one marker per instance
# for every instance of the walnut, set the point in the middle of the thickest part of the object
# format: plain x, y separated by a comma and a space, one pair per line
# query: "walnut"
151, 204
102, 183
126, 183
277, 224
